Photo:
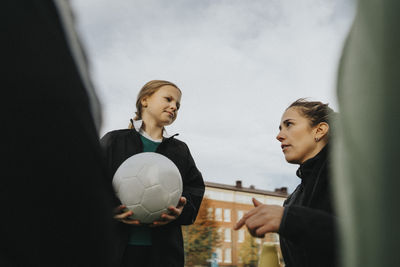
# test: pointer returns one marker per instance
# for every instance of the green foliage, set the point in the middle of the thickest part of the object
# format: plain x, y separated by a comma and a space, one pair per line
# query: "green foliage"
200, 238
249, 251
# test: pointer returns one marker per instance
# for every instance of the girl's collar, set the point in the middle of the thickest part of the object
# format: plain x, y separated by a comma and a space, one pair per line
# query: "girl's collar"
137, 124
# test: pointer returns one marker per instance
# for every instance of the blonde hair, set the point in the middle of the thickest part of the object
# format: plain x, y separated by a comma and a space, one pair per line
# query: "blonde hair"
147, 90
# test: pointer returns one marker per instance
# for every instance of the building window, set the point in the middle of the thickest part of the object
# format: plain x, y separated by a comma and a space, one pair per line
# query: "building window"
227, 256
219, 230
218, 214
227, 235
240, 214
245, 199
210, 213
219, 254
227, 215
241, 236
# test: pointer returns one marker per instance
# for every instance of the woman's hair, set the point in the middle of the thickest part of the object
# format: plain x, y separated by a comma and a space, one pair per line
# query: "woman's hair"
315, 111
147, 90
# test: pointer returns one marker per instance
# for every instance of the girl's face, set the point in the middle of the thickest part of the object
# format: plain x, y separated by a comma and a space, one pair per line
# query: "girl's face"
162, 106
297, 137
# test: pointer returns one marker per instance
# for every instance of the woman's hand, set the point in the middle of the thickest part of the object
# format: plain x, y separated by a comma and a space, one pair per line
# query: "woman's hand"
173, 214
262, 219
122, 214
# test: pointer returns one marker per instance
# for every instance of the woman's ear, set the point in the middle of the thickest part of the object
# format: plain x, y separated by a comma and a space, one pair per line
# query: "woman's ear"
322, 130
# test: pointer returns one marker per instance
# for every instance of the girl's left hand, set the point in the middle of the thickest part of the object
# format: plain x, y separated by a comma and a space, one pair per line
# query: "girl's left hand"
173, 214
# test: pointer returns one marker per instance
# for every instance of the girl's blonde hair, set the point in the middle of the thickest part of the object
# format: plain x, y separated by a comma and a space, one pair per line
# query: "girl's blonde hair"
147, 90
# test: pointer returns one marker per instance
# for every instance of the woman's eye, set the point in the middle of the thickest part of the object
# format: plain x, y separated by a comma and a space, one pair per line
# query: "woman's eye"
168, 99
288, 124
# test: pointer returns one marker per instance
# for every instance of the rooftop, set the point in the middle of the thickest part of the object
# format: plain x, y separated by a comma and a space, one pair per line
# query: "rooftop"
279, 192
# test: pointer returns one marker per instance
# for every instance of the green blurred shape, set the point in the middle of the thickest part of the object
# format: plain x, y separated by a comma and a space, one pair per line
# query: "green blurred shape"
367, 137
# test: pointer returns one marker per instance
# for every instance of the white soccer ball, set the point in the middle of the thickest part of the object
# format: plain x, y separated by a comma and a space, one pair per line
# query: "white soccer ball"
148, 183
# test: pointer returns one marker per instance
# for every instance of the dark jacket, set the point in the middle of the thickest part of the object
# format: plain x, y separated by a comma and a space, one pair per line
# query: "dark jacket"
308, 227
167, 242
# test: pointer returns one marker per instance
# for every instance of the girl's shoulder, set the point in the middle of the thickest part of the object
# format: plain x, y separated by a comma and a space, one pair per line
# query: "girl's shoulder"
119, 132
177, 142
118, 136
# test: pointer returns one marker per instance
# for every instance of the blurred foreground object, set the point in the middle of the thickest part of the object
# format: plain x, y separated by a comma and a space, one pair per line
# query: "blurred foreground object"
269, 256
368, 144
55, 200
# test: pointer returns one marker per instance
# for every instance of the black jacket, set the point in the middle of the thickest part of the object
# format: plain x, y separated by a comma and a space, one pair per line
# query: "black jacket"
308, 227
167, 242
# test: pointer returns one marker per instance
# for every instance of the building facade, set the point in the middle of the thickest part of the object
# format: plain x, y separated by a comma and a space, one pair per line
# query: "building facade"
227, 204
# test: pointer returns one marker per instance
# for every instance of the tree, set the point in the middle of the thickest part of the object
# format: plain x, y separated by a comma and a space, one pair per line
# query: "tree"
249, 251
201, 238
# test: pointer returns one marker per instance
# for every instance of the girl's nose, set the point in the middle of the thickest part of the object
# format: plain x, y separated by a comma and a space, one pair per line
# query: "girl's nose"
173, 106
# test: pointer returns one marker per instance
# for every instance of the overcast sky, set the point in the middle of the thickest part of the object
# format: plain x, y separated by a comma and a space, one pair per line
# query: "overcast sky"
239, 64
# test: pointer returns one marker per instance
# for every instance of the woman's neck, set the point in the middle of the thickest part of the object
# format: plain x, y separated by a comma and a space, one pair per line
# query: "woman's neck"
317, 150
153, 130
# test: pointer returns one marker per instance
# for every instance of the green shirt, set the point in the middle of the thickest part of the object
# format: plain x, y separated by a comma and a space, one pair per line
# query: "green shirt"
141, 235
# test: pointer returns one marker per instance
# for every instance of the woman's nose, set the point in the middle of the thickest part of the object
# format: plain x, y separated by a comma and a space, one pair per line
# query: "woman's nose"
279, 137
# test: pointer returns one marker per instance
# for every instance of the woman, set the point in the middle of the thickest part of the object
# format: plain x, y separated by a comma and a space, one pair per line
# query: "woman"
306, 222
159, 244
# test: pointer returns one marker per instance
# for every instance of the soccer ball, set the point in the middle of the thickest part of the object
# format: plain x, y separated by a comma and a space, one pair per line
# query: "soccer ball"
148, 183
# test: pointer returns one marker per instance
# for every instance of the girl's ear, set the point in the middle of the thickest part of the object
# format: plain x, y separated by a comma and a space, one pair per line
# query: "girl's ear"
144, 102
322, 130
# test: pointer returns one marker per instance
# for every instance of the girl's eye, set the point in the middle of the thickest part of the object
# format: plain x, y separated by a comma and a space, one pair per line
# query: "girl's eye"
168, 99
288, 124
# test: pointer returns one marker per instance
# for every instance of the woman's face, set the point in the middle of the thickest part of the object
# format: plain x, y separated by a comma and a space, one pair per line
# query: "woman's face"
162, 106
297, 137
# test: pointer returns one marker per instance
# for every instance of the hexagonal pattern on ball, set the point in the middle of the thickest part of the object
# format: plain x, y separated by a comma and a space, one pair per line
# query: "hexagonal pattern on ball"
174, 197
149, 175
148, 183
168, 183
130, 191
156, 215
139, 213
155, 198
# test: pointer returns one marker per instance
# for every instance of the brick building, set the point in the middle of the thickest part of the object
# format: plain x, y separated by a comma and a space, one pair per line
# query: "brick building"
228, 204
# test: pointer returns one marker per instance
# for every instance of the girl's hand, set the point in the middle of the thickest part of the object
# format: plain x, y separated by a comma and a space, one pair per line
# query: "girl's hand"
262, 219
173, 214
122, 214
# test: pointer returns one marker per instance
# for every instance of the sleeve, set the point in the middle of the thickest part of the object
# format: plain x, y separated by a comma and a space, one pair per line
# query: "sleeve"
311, 228
106, 143
193, 191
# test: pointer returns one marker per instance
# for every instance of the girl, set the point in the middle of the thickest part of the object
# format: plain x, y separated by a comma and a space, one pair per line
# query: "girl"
306, 223
159, 244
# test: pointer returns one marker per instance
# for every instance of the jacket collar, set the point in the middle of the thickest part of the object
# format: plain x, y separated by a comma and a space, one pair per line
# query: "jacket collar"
137, 124
306, 168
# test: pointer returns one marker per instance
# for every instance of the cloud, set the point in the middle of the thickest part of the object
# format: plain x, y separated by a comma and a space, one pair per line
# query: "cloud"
238, 63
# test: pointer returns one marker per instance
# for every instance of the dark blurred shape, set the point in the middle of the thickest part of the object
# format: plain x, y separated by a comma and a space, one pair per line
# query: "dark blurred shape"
54, 196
